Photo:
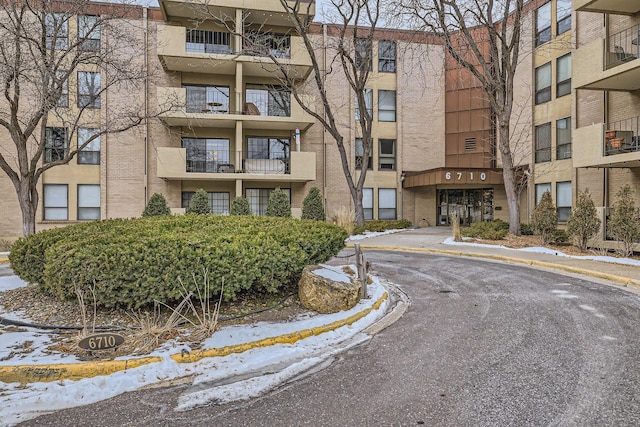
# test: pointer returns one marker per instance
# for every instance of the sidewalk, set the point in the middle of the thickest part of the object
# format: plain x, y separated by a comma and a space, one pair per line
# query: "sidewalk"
431, 240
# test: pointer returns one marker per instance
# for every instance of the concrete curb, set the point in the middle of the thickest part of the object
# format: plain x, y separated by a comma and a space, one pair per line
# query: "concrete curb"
76, 371
611, 277
3, 260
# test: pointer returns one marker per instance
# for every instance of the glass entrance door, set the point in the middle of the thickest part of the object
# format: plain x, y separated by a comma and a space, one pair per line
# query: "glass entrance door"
474, 205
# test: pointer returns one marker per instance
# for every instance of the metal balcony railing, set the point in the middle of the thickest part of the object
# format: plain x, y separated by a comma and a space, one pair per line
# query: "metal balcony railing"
622, 47
202, 41
621, 136
252, 162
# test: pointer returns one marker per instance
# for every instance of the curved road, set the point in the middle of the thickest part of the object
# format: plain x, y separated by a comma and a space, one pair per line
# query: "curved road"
482, 344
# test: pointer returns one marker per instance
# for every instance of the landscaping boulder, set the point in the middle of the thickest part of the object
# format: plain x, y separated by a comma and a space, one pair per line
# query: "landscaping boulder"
325, 291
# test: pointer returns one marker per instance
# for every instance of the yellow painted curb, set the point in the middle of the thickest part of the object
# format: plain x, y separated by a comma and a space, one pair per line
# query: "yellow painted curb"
3, 260
611, 277
282, 339
69, 371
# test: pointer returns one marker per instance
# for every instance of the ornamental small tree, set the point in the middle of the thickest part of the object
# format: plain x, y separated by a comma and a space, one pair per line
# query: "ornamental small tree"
199, 203
544, 219
312, 206
278, 204
583, 222
624, 225
156, 206
240, 206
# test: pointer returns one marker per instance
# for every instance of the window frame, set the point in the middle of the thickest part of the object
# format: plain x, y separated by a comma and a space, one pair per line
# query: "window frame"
563, 87
385, 109
56, 27
87, 155
89, 33
205, 155
89, 208
543, 33
543, 94
542, 188
382, 208
46, 208
91, 99
263, 97
359, 154
50, 146
205, 99
562, 20
387, 158
386, 56
543, 152
263, 198
563, 201
563, 150
363, 51
368, 101
217, 208
367, 203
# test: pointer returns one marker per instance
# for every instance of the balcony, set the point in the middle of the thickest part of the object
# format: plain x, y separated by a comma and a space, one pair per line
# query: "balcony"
197, 8
613, 144
178, 111
173, 164
195, 51
620, 7
610, 64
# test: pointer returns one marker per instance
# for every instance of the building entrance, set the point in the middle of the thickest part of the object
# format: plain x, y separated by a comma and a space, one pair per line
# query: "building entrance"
474, 205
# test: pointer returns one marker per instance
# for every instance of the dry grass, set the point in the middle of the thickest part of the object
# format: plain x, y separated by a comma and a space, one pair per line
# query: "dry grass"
345, 218
4, 245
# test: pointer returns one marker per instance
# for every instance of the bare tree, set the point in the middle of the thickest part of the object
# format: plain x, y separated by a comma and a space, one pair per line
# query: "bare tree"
46, 47
483, 36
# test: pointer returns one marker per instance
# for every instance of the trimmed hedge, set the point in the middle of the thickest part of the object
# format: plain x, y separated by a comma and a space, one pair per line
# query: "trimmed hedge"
490, 230
134, 262
383, 225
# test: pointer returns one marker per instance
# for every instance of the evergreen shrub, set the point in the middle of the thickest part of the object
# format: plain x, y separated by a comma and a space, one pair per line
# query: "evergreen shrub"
544, 219
312, 206
583, 222
157, 205
199, 203
278, 204
240, 206
131, 263
624, 224
383, 225
488, 230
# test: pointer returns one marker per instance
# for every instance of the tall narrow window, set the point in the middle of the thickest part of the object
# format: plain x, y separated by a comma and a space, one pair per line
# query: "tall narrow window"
89, 146
543, 83
387, 154
88, 89
55, 200
57, 31
206, 154
367, 203
387, 105
563, 200
55, 147
543, 143
368, 101
207, 99
541, 189
88, 202
387, 56
563, 75
563, 16
386, 203
363, 54
543, 24
360, 155
89, 32
563, 138
268, 100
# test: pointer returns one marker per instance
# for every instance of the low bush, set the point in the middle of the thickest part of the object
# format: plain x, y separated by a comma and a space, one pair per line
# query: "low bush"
383, 225
240, 206
559, 237
488, 230
526, 230
278, 204
132, 263
157, 205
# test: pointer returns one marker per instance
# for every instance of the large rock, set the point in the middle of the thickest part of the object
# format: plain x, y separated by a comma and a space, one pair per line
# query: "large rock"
326, 291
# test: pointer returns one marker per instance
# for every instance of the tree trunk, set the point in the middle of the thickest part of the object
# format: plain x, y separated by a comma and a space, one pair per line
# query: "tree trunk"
357, 201
508, 172
28, 198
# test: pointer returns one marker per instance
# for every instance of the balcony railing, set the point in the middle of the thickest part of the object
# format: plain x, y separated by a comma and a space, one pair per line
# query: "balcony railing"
202, 41
622, 47
264, 44
251, 162
621, 136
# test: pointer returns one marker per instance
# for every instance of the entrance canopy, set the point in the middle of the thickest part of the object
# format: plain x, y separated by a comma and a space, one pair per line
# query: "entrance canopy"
461, 176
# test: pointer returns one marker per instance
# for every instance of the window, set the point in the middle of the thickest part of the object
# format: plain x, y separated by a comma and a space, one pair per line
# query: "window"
88, 202
543, 143
63, 84
267, 155
206, 154
88, 89
363, 54
55, 147
541, 189
367, 203
265, 44
563, 75
563, 200
268, 100
207, 99
387, 56
368, 102
56, 31
259, 198
387, 105
387, 154
563, 16
90, 153
543, 24
563, 138
360, 155
218, 201
543, 83
55, 199
386, 203
89, 32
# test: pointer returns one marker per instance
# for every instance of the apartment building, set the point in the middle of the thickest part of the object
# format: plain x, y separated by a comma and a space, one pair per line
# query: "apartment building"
607, 105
